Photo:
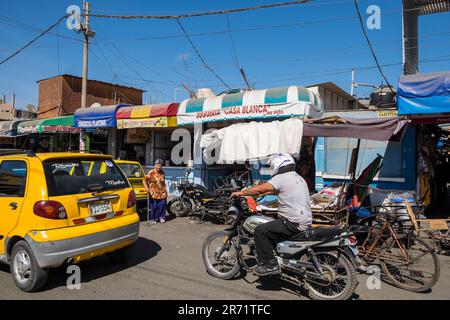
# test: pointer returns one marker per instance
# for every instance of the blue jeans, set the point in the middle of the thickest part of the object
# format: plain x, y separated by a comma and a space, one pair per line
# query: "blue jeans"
158, 207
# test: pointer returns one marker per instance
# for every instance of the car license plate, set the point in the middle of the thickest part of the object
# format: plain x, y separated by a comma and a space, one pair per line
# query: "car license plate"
100, 207
354, 250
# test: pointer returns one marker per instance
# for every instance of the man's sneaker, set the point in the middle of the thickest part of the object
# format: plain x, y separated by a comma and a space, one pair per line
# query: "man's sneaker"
162, 220
265, 270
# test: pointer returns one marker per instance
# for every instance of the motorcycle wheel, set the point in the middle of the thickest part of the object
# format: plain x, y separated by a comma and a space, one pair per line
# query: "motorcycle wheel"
345, 280
179, 207
227, 267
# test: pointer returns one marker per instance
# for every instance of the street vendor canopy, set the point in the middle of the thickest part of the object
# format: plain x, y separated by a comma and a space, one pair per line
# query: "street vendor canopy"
50, 125
424, 94
148, 116
96, 117
8, 129
254, 104
247, 141
244, 141
379, 129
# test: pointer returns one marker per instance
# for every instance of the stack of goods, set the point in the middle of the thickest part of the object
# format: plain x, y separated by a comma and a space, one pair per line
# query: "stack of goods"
327, 198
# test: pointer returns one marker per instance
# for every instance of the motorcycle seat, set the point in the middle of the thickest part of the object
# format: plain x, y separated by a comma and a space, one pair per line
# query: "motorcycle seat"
317, 234
208, 194
324, 233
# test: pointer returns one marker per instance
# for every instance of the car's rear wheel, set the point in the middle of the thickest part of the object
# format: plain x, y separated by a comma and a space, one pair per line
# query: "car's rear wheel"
27, 274
121, 255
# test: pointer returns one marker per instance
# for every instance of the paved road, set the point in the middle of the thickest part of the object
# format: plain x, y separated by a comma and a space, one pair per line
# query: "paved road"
168, 265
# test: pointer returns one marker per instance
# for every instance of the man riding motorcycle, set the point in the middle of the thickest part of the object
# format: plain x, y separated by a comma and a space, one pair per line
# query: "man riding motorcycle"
294, 211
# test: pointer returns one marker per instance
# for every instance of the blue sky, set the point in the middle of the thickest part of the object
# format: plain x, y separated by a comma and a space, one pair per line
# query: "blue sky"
298, 45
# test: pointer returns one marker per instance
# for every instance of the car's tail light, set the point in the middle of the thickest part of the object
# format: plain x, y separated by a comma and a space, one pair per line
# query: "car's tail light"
50, 210
131, 199
353, 240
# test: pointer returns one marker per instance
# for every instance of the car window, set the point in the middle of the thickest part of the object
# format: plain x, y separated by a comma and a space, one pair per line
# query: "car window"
13, 177
73, 176
132, 170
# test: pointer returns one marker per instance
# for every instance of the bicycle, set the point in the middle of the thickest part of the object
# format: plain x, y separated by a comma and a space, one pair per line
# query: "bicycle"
407, 260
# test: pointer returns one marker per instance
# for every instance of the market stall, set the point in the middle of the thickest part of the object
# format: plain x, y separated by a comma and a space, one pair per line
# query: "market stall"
258, 140
218, 111
425, 99
145, 132
100, 125
52, 134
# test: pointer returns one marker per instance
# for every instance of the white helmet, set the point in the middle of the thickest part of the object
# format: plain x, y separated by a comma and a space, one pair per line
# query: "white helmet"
278, 160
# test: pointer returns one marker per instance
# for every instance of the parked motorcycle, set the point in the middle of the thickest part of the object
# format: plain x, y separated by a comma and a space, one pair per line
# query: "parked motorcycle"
317, 260
195, 198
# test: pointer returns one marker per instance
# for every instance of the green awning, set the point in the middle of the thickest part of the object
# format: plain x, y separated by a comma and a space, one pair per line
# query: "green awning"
50, 125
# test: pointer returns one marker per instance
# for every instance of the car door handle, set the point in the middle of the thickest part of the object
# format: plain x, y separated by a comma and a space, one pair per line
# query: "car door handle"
13, 205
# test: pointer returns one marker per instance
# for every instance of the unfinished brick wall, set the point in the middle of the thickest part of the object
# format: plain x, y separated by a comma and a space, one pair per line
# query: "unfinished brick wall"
61, 95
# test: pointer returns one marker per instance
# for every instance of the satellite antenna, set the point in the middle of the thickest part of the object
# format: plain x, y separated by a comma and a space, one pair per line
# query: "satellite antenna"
31, 108
74, 18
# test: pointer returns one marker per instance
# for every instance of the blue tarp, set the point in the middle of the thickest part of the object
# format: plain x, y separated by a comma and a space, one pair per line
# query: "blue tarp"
96, 117
424, 93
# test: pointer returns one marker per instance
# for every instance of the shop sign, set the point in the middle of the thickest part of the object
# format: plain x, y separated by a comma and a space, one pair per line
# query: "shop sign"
387, 113
58, 128
155, 122
93, 123
244, 112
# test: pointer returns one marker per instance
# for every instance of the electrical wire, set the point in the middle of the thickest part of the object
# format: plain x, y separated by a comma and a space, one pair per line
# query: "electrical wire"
200, 56
33, 40
201, 14
370, 46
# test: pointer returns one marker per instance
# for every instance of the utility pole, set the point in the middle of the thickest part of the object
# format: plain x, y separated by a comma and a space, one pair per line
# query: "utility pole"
86, 33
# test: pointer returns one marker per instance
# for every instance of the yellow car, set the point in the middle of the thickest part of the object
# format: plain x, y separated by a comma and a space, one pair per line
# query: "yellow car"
135, 174
53, 212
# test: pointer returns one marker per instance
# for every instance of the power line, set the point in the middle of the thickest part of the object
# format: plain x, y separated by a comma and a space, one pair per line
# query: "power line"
343, 70
370, 46
256, 28
200, 56
33, 40
202, 14
19, 24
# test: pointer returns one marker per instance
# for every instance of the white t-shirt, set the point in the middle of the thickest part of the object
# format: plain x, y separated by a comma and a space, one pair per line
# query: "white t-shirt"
293, 198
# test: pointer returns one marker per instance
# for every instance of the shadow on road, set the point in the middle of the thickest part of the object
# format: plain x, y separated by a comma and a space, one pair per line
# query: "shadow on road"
101, 266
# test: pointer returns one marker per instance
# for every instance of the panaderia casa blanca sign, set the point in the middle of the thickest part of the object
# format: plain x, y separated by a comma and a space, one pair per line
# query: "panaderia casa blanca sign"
244, 112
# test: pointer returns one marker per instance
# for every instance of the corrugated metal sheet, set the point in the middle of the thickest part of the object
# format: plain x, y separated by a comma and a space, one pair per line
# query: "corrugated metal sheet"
426, 7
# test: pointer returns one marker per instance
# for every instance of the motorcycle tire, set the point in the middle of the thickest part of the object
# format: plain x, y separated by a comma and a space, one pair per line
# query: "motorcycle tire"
179, 207
348, 269
229, 274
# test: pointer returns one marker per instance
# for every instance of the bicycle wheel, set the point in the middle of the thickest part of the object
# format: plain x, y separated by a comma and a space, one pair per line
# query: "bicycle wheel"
418, 272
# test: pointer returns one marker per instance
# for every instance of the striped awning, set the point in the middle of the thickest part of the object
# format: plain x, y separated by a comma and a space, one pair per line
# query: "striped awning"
293, 101
8, 129
64, 124
147, 116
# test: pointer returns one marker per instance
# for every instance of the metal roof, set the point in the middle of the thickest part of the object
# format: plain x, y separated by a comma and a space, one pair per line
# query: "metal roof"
432, 6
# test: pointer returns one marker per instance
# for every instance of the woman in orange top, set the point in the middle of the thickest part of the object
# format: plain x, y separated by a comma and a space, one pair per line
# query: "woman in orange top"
155, 184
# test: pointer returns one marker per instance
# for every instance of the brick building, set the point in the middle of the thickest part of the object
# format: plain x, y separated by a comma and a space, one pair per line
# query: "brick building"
61, 95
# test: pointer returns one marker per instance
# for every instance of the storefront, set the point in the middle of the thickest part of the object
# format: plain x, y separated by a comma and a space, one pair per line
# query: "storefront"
145, 132
100, 125
245, 106
56, 134
333, 155
425, 100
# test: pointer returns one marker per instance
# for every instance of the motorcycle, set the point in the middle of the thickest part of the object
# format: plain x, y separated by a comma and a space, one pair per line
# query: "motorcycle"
317, 260
195, 198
